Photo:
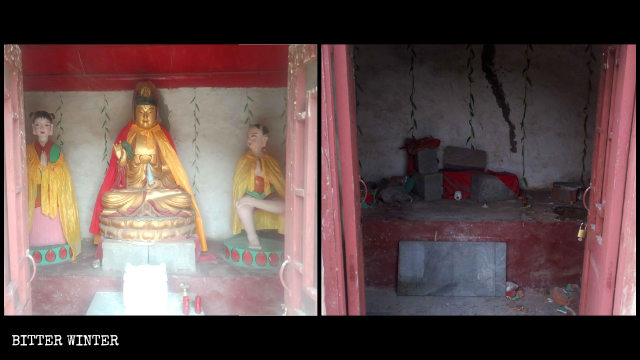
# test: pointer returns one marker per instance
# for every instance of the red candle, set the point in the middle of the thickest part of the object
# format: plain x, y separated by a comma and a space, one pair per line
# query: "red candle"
198, 304
185, 305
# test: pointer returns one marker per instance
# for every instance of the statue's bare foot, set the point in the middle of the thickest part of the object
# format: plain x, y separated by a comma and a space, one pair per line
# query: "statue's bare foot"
254, 243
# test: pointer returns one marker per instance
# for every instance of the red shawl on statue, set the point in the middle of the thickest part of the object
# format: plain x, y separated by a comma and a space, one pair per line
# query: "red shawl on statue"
110, 178
108, 183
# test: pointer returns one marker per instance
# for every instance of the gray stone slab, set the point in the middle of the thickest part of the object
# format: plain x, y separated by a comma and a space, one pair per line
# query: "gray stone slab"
179, 257
489, 188
458, 158
427, 161
452, 268
116, 254
429, 186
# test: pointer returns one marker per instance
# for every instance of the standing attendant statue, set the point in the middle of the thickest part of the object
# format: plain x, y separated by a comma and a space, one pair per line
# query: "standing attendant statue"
53, 210
258, 189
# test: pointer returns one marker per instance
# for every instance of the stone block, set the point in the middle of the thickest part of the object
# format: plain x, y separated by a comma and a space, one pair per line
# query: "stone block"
452, 268
458, 158
565, 192
179, 256
116, 254
489, 188
429, 186
427, 161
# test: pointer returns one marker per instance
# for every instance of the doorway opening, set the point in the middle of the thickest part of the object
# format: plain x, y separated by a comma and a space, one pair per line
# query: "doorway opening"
207, 105
475, 145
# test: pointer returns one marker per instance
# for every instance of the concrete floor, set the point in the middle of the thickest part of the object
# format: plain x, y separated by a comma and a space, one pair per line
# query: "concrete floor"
385, 302
541, 209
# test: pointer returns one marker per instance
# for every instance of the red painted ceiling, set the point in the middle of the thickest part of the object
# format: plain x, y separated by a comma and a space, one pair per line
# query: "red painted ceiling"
119, 67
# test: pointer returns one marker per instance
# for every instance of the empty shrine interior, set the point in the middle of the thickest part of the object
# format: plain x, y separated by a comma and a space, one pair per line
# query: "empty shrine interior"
475, 160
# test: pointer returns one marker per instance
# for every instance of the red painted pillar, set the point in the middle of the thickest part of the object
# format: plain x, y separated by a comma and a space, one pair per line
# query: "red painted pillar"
341, 183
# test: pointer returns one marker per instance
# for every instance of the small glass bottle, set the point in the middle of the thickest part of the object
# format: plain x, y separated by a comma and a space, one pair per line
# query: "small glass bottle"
185, 299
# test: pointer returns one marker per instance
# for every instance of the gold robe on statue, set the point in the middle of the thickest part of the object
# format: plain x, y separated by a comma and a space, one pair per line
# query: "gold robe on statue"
172, 162
56, 195
244, 180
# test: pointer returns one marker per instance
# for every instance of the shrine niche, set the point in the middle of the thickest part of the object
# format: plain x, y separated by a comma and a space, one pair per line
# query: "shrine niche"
153, 136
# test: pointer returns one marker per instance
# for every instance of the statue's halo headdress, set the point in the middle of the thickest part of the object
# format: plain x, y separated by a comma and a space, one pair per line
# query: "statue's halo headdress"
145, 94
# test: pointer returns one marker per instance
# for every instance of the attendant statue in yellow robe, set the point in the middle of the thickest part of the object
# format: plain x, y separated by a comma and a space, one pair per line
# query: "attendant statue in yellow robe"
258, 189
53, 211
146, 193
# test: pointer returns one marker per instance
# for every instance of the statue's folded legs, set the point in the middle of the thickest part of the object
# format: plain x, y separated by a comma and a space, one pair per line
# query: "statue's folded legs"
245, 207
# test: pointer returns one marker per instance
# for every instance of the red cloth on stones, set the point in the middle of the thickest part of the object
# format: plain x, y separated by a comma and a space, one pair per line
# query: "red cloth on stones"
453, 181
413, 146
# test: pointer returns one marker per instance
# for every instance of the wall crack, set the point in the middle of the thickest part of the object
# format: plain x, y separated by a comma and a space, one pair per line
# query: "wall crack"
488, 54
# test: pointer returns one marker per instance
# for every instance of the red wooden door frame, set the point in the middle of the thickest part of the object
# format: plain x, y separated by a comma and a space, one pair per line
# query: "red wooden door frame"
625, 293
17, 266
341, 227
613, 135
298, 273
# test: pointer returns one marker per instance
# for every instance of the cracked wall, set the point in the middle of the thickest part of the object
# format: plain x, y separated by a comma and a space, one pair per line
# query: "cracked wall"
553, 123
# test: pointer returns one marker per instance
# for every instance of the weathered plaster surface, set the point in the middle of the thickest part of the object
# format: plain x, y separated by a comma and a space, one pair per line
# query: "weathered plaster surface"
553, 123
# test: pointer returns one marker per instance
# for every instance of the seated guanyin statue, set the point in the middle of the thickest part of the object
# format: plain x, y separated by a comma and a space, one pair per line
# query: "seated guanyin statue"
146, 194
258, 189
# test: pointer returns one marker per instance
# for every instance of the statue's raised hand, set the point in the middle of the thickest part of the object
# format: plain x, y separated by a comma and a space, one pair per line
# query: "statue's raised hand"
121, 154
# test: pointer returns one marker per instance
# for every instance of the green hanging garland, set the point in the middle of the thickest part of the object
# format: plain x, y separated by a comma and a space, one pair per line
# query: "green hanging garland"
194, 142
58, 125
105, 126
247, 109
414, 125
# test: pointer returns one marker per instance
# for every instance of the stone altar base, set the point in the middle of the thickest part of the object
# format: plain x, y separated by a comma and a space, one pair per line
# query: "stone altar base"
179, 256
270, 256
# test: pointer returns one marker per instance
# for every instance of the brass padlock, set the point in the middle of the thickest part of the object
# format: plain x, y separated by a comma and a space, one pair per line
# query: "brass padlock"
582, 232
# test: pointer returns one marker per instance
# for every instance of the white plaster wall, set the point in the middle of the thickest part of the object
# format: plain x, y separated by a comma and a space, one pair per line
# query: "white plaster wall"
221, 139
553, 123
